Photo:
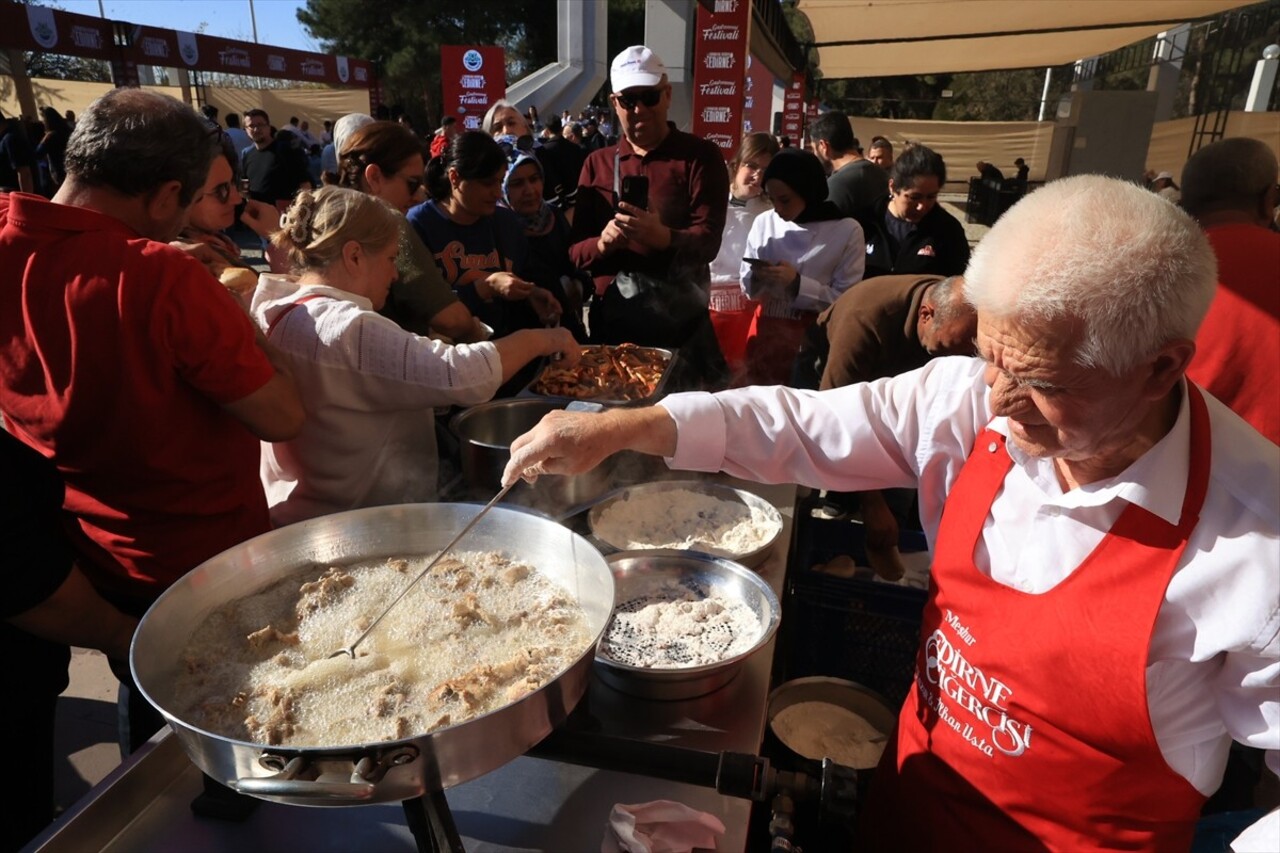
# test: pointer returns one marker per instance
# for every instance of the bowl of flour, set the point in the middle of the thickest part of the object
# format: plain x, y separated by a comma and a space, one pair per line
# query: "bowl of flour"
683, 623
819, 718
691, 515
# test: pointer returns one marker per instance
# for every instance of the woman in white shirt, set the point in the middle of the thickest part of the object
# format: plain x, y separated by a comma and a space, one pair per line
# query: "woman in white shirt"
368, 386
731, 312
800, 256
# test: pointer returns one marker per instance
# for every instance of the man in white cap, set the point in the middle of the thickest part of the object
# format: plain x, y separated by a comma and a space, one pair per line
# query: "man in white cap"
649, 255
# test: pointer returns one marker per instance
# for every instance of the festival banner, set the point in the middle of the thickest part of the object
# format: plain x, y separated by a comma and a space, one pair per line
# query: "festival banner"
44, 29
720, 45
757, 107
472, 78
793, 108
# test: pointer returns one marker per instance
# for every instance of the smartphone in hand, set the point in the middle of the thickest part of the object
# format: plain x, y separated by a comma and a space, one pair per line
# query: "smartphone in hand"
757, 262
635, 191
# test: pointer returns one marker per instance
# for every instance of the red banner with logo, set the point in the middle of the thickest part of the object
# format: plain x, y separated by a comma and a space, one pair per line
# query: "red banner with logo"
49, 30
720, 44
757, 108
811, 112
793, 108
472, 78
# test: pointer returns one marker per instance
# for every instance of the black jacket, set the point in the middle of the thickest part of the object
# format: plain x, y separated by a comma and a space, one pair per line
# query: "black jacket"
937, 246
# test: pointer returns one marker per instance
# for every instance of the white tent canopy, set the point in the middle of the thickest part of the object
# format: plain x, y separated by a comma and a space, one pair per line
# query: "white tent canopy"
882, 38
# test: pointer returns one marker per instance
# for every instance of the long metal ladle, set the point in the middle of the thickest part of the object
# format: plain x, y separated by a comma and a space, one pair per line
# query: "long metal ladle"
350, 650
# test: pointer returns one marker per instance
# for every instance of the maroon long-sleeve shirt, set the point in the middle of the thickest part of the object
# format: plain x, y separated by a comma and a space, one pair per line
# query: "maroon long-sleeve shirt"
688, 188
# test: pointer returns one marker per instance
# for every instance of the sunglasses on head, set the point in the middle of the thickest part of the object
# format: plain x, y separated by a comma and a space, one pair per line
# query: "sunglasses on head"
647, 97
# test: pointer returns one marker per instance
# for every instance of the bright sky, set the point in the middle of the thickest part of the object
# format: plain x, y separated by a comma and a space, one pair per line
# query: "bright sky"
277, 19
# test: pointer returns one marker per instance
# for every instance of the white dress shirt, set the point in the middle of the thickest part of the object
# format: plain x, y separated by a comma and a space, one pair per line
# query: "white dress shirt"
368, 388
1213, 669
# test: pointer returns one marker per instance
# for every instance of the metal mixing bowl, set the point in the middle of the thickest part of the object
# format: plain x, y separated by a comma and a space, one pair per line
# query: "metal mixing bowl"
639, 575
750, 559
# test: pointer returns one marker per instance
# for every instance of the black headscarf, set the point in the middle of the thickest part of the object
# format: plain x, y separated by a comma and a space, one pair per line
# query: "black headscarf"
803, 172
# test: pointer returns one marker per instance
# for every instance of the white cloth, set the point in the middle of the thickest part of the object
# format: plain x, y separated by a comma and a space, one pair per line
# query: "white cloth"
830, 256
661, 826
1213, 672
726, 269
368, 388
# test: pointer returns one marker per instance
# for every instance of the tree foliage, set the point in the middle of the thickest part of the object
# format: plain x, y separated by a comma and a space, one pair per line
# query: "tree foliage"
403, 38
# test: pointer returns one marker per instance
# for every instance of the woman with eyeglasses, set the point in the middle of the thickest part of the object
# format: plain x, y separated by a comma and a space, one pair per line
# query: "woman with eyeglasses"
384, 159
369, 387
214, 211
799, 258
479, 246
731, 312
547, 231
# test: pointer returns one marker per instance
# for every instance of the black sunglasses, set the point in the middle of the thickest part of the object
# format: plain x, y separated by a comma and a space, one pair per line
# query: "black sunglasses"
413, 184
648, 97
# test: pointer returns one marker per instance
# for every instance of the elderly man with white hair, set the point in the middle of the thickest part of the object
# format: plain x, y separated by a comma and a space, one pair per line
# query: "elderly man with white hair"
1102, 620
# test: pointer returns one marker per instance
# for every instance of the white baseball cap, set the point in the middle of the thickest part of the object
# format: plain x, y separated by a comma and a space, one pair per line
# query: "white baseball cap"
636, 66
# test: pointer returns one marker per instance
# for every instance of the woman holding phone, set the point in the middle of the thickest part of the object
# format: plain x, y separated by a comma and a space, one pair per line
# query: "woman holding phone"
802, 255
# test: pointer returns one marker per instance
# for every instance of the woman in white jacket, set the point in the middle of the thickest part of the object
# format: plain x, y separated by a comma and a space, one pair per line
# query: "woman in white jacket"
731, 311
368, 385
800, 256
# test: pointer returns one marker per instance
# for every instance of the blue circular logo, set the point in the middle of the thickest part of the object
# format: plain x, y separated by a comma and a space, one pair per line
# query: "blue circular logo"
472, 60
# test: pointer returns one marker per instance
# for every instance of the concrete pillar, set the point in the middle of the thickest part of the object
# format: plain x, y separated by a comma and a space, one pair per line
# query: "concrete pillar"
1166, 67
668, 32
1264, 80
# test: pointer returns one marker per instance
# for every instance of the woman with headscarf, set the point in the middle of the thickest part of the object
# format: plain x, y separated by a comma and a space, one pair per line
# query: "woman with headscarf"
547, 231
731, 312
800, 256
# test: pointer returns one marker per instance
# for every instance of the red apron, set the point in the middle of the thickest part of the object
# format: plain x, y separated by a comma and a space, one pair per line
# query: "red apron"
1029, 727
774, 341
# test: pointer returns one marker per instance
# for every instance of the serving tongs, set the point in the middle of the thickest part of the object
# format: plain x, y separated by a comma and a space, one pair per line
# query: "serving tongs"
350, 651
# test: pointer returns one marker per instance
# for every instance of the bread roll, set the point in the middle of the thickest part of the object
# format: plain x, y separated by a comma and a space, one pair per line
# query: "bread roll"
239, 279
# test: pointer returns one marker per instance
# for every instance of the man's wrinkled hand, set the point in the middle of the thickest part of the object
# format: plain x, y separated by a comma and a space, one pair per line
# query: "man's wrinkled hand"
561, 443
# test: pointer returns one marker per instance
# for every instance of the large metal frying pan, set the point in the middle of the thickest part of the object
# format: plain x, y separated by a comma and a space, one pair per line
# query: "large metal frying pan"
392, 770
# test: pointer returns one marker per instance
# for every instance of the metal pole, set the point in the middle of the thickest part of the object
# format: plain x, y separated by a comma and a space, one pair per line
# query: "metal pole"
1044, 95
252, 19
102, 13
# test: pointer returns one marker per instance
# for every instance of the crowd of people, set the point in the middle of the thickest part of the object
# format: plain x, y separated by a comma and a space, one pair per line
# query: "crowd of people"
163, 401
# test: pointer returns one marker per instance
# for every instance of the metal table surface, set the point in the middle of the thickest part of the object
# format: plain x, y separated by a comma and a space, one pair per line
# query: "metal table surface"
529, 804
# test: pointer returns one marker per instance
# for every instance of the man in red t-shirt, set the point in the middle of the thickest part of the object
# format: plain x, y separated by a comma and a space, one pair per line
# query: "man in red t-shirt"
124, 362
1230, 187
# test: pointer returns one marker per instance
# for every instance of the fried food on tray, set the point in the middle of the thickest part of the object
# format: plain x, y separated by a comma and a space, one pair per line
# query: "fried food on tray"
623, 372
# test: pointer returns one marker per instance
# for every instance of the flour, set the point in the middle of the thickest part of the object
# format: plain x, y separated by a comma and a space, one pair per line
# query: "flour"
686, 519
821, 730
680, 626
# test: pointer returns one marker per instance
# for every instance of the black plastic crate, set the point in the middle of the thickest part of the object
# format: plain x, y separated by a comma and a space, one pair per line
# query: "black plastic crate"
862, 630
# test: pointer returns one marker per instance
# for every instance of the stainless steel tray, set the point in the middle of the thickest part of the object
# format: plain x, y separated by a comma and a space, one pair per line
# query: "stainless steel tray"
750, 559
659, 389
640, 577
